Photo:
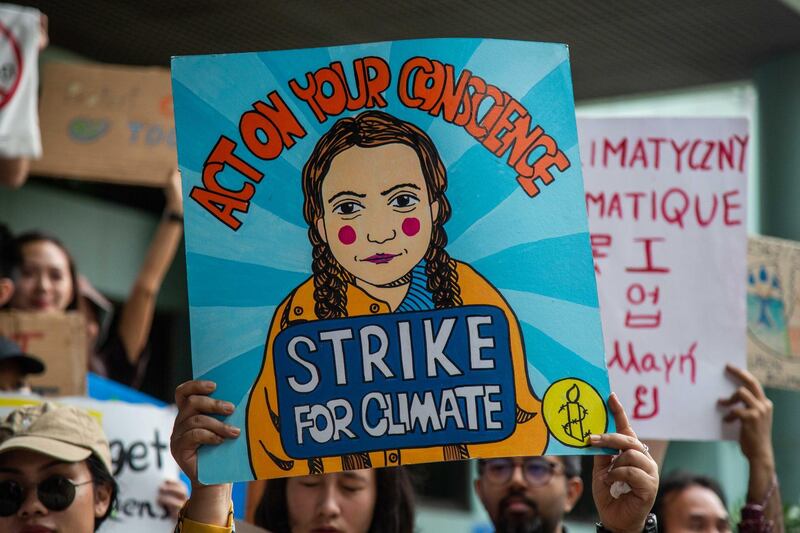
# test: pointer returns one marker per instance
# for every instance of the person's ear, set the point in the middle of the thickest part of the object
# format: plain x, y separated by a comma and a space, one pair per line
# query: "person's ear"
321, 229
6, 290
574, 491
102, 499
434, 209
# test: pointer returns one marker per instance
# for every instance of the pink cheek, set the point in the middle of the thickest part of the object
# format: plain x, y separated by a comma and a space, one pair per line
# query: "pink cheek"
410, 226
347, 235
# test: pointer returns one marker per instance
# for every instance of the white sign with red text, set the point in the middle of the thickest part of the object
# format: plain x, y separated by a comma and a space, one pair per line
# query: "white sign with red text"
666, 200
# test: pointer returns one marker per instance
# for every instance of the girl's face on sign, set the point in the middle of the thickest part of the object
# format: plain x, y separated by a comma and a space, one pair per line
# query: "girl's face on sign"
378, 217
343, 502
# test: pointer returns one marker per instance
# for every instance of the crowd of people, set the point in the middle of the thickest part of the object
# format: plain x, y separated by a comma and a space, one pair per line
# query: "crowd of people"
62, 453
55, 475
56, 470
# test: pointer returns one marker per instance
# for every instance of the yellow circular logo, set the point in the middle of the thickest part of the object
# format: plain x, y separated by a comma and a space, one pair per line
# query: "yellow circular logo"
573, 410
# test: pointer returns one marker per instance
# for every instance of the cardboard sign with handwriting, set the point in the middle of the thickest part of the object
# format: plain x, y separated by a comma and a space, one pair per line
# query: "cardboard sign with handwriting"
773, 311
107, 123
59, 339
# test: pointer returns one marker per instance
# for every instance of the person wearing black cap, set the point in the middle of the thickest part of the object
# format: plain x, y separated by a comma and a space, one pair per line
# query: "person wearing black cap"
16, 366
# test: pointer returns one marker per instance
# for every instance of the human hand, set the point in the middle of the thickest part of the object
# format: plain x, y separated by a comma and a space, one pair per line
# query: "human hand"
44, 38
633, 465
753, 409
194, 426
173, 193
171, 496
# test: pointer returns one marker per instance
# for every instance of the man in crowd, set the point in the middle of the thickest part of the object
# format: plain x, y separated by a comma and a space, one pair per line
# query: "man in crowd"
532, 494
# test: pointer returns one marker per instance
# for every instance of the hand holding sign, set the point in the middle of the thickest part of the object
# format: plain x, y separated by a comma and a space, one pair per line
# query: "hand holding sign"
172, 192
194, 426
634, 466
749, 405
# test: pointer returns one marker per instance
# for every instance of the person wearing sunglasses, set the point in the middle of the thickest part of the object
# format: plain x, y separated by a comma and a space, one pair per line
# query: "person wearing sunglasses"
532, 494
55, 466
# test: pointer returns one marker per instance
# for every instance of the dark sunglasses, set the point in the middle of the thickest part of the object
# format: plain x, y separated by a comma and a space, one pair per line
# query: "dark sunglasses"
56, 493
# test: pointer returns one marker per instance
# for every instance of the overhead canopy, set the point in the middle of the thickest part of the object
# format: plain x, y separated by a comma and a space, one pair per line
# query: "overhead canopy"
621, 47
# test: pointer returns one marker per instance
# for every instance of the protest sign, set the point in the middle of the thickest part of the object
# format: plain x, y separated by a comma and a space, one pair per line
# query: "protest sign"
108, 123
140, 457
20, 30
59, 339
773, 311
666, 204
388, 256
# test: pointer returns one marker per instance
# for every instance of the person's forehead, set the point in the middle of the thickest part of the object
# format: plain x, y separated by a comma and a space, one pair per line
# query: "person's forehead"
380, 163
696, 501
43, 251
23, 461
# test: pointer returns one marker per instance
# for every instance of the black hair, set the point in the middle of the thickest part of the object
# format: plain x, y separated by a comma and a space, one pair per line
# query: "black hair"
5, 251
678, 481
393, 511
16, 259
101, 476
572, 465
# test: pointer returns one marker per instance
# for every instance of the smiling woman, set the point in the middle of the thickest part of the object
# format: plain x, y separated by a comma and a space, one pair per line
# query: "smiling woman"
375, 204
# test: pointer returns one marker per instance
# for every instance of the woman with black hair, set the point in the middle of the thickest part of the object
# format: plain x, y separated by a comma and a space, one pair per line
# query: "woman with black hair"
45, 279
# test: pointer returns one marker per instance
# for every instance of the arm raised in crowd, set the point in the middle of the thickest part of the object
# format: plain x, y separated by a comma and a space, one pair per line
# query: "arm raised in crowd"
751, 407
137, 314
633, 467
194, 427
14, 171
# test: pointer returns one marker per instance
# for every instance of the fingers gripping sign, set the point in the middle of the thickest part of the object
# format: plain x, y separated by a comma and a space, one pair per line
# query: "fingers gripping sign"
624, 486
195, 425
750, 405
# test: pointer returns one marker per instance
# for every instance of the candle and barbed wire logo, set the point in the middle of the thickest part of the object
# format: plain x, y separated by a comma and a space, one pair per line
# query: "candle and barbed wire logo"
573, 410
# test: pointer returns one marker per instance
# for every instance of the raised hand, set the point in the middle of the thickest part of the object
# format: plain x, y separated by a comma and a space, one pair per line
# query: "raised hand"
633, 467
195, 427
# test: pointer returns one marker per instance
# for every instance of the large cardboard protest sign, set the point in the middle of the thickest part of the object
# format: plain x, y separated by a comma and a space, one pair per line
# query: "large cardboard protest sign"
388, 254
773, 311
108, 123
59, 339
666, 204
139, 454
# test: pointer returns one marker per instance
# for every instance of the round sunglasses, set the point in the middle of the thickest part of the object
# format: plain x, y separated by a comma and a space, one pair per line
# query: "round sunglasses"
56, 493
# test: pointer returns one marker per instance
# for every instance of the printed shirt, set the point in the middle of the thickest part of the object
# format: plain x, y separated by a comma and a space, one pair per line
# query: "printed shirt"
418, 298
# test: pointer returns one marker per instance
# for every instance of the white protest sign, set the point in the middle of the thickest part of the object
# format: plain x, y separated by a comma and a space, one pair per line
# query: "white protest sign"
138, 435
666, 203
19, 81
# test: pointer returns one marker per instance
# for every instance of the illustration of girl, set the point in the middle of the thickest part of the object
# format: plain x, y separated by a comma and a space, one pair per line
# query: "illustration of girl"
375, 206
